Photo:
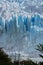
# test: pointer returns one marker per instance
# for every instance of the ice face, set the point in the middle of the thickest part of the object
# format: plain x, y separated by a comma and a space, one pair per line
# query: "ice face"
23, 38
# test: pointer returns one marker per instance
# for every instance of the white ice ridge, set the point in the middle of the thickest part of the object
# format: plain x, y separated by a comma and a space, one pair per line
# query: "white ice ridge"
7, 9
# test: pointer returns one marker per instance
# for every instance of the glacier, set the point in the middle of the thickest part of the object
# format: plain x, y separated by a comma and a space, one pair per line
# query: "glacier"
21, 29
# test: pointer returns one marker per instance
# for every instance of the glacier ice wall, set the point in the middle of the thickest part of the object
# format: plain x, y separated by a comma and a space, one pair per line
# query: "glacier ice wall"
21, 33
21, 26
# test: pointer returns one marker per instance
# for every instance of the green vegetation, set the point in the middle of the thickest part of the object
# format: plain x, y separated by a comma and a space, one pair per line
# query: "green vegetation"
26, 62
4, 59
40, 48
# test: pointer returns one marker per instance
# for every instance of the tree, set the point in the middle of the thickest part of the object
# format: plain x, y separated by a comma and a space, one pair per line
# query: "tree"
4, 59
40, 48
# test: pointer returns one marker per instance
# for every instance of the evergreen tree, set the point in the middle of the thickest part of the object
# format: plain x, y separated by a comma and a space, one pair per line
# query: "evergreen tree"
40, 48
4, 59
